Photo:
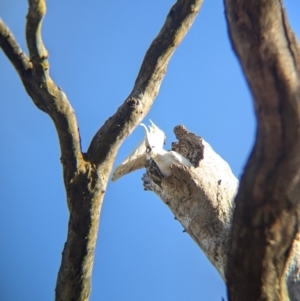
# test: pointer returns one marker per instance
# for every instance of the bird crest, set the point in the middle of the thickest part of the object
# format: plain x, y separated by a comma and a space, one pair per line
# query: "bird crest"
150, 147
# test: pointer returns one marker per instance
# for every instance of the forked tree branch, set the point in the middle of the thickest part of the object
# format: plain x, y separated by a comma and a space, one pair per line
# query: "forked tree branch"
86, 175
153, 69
267, 215
48, 97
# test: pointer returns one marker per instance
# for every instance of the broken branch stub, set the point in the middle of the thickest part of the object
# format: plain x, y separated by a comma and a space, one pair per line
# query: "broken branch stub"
201, 197
196, 184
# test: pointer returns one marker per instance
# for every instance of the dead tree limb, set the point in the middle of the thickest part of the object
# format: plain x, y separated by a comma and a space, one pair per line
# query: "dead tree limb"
86, 174
201, 197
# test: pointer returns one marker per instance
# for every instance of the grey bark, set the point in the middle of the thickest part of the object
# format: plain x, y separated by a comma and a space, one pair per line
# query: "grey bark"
201, 198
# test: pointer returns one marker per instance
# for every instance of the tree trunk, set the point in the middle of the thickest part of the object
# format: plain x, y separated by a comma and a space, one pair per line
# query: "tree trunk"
266, 219
256, 249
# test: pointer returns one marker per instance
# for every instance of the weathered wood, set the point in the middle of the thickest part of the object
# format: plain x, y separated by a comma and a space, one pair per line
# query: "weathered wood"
202, 200
200, 197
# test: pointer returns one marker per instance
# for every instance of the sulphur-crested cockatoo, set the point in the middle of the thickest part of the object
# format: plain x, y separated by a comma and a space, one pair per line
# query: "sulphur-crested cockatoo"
150, 148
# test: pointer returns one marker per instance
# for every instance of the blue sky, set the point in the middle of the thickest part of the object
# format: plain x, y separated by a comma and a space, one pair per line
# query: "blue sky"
96, 48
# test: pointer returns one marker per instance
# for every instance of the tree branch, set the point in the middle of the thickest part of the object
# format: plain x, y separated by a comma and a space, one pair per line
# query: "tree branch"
37, 51
48, 97
200, 197
110, 136
87, 190
82, 200
202, 200
13, 51
86, 176
266, 219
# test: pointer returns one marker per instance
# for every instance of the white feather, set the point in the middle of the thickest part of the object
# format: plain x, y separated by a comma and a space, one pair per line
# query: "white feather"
150, 147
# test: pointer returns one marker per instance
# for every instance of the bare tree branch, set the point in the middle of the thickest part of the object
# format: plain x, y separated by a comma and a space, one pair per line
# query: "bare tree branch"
153, 69
37, 51
202, 200
13, 51
200, 197
74, 280
45, 94
49, 97
266, 219
86, 175
90, 184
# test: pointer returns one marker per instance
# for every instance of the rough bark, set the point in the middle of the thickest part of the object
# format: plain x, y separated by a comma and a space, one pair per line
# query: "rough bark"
266, 219
200, 197
202, 200
86, 174
265, 224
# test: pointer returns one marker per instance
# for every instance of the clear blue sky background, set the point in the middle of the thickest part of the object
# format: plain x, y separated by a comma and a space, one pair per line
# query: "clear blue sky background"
96, 48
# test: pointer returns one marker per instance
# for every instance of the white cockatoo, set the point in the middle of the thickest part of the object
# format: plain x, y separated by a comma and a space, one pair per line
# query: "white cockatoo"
150, 148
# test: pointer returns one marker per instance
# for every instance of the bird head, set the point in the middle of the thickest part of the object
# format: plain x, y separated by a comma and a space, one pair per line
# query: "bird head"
155, 137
